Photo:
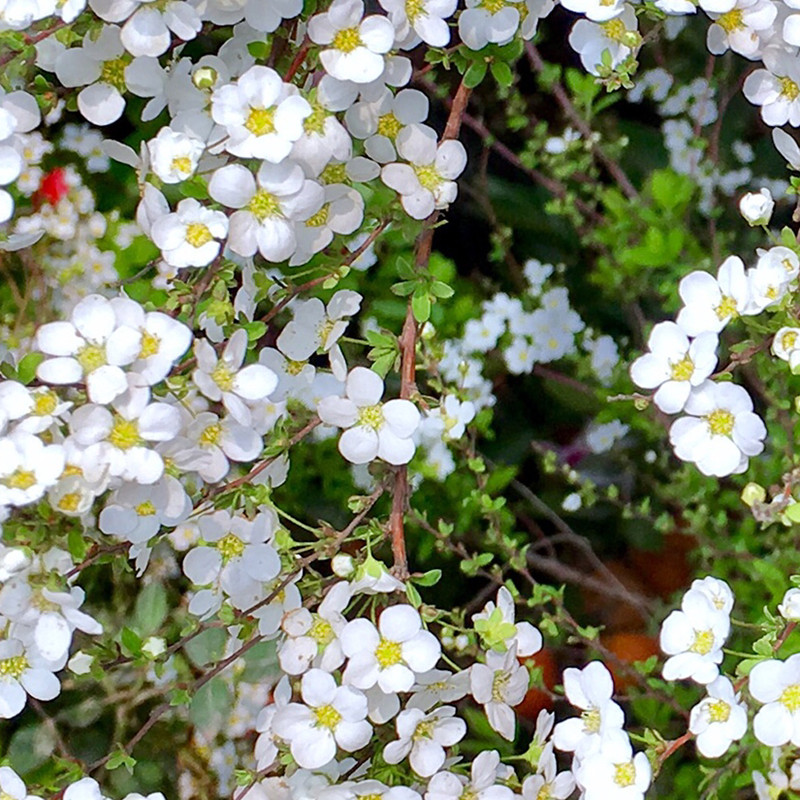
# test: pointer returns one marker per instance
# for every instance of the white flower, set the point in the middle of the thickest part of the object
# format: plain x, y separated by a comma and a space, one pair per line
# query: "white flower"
547, 782
757, 207
174, 155
614, 772
596, 10
373, 429
739, 28
498, 685
268, 206
426, 19
777, 685
391, 654
427, 183
262, 115
591, 39
776, 89
717, 591
693, 638
498, 631
722, 431
27, 468
482, 23
482, 784
423, 738
332, 715
225, 379
719, 719
23, 673
789, 607
187, 237
674, 365
219, 440
357, 44
438, 686
589, 689
91, 347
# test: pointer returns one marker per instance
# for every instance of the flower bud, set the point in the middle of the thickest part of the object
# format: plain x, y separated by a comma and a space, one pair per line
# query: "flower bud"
789, 609
757, 207
80, 663
342, 565
205, 77
154, 646
753, 493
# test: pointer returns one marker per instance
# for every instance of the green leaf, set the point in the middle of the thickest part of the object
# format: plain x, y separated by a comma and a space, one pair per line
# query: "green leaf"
255, 330
151, 608
211, 705
502, 73
404, 288
441, 290
421, 307
413, 596
130, 641
429, 578
26, 369
119, 758
76, 544
475, 73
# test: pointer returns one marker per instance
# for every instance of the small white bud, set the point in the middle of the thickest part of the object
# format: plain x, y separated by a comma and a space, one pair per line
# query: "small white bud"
342, 565
789, 609
757, 207
154, 646
80, 663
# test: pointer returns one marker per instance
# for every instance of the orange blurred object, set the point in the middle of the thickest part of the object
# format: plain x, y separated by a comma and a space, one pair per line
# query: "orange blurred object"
536, 699
667, 570
628, 648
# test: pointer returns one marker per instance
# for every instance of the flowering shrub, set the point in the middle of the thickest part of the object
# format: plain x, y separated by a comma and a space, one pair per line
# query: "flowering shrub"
320, 481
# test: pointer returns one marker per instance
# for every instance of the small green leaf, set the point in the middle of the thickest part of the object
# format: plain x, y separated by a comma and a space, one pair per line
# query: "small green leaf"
130, 641
502, 73
421, 307
429, 578
119, 758
475, 73
151, 608
26, 370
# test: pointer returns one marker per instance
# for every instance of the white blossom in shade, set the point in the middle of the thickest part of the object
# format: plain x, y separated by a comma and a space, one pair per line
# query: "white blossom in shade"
422, 738
225, 379
548, 782
353, 45
188, 237
23, 673
438, 686
693, 638
757, 207
722, 431
163, 340
480, 24
218, 441
776, 684
448, 422
499, 685
717, 591
596, 10
499, 632
789, 607
427, 182
674, 365
589, 689
91, 347
27, 468
121, 438
324, 139
372, 429
262, 115
149, 27
98, 65
174, 155
719, 719
316, 327
426, 19
391, 654
614, 772
312, 638
776, 89
481, 784
12, 785
136, 513
590, 39
781, 256
294, 377
331, 715
378, 122
267, 206
739, 28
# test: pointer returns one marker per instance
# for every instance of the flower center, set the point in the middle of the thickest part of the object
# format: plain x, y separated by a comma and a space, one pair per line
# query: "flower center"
260, 121
492, 6
388, 653
20, 479
198, 234
371, 416
210, 435
230, 546
788, 340
703, 642
414, 8
223, 376
347, 40
13, 667
424, 730
624, 774
294, 367
682, 370
389, 125
124, 434
146, 509
731, 21
334, 173
591, 720
720, 422
69, 502
45, 403
428, 177
320, 218
264, 205
315, 121
113, 73
790, 697
150, 345
789, 89
614, 29
719, 711
182, 164
321, 631
90, 357
327, 717
499, 685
